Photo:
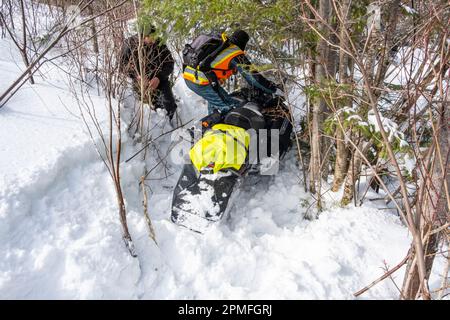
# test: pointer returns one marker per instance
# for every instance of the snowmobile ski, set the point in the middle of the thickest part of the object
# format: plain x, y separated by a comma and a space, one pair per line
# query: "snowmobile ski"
201, 200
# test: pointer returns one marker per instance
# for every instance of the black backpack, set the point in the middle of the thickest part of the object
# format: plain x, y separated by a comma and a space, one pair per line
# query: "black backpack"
203, 50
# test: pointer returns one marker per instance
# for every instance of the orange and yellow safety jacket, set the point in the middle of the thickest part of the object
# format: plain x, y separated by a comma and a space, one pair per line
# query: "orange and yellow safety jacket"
220, 66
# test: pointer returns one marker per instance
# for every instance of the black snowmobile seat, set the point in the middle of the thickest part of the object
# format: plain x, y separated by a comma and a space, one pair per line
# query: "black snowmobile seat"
246, 117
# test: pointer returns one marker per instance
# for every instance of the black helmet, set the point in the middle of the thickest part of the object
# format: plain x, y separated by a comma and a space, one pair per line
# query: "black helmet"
240, 38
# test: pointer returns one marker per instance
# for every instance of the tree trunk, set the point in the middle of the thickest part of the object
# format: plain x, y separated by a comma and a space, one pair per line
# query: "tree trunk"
341, 165
330, 69
23, 50
392, 15
2, 28
353, 172
93, 31
434, 207
319, 108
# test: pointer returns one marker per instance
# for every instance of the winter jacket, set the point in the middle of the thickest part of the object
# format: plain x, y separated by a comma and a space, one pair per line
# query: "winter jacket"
228, 62
157, 58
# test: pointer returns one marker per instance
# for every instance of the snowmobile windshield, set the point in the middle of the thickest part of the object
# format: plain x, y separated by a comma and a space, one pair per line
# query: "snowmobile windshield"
223, 147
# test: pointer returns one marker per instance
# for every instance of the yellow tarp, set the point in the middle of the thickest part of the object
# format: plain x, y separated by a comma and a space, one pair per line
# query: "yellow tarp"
225, 146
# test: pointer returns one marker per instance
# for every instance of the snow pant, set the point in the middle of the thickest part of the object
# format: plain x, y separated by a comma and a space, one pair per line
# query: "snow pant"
222, 102
162, 97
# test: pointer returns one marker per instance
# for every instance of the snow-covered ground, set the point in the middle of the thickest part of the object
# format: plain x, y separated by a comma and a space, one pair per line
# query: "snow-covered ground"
60, 235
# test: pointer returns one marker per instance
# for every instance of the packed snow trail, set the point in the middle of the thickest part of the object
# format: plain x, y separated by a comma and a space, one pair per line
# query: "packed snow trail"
60, 235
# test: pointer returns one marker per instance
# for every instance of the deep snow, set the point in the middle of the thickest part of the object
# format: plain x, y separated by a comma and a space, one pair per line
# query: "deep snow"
60, 233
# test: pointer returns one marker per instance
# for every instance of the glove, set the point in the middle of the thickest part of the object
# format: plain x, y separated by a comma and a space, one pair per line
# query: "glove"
154, 83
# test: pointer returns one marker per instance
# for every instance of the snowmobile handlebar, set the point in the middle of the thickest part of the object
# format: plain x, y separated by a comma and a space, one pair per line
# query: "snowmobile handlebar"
263, 99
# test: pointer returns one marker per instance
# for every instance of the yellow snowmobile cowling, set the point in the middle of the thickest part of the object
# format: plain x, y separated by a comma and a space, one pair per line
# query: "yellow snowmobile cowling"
224, 146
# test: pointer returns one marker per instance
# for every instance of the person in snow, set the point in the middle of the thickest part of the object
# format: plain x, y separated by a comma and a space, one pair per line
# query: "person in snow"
158, 65
228, 62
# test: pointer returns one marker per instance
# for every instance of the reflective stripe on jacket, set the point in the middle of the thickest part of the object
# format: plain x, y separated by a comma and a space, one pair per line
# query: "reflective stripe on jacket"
200, 78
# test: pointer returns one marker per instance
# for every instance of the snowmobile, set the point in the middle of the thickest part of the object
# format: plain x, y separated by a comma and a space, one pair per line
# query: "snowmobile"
221, 160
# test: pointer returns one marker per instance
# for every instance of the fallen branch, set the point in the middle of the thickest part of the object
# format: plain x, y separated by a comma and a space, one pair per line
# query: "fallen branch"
151, 230
386, 275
